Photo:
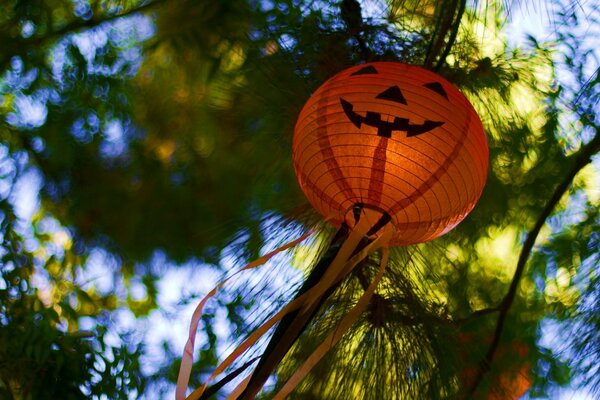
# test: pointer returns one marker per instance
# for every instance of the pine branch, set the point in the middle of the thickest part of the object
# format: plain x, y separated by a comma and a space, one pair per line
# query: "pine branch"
77, 26
582, 158
477, 314
73, 27
453, 34
351, 13
447, 23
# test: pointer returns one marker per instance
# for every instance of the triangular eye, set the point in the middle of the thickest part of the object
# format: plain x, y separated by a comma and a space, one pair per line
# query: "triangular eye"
438, 88
365, 71
394, 94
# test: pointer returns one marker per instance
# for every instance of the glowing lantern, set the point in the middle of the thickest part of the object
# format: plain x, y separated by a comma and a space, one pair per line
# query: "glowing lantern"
396, 138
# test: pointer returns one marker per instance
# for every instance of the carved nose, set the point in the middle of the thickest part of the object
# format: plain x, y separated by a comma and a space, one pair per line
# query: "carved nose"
393, 93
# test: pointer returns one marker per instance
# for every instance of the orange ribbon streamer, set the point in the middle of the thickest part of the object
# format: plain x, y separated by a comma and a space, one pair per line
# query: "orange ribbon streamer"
347, 322
339, 268
187, 359
300, 302
253, 338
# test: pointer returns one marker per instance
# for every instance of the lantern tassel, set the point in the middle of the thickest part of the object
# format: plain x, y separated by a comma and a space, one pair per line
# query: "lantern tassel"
353, 251
187, 359
332, 339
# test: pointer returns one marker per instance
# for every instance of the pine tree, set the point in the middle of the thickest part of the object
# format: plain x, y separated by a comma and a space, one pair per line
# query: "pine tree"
161, 127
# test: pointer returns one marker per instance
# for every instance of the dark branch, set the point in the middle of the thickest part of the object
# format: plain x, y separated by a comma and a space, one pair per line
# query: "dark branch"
582, 158
77, 26
73, 27
452, 37
448, 20
477, 314
351, 13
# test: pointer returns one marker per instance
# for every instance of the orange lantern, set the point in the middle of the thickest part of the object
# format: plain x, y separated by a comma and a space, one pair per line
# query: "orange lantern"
395, 138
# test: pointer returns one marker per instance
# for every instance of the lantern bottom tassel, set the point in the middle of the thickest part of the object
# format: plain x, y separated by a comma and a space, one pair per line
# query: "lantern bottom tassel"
353, 250
354, 246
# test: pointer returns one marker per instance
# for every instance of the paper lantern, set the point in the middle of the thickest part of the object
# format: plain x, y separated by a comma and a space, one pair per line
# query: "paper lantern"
395, 138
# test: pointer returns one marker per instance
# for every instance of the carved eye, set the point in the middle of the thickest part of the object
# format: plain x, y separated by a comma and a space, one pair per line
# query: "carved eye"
438, 88
365, 71
392, 93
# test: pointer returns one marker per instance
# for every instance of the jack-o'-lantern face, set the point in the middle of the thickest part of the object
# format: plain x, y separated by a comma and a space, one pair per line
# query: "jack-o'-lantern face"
393, 94
396, 138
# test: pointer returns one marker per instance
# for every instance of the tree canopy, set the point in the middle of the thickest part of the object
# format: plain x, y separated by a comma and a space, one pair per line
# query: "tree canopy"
146, 140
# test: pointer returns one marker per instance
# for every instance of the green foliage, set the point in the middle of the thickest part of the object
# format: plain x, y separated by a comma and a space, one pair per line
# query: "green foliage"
163, 127
43, 355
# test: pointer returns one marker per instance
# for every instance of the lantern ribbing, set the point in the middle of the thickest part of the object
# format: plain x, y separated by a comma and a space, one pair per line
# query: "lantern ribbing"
396, 137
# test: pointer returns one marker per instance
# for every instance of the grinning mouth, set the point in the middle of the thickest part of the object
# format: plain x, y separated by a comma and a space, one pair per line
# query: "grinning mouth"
385, 128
